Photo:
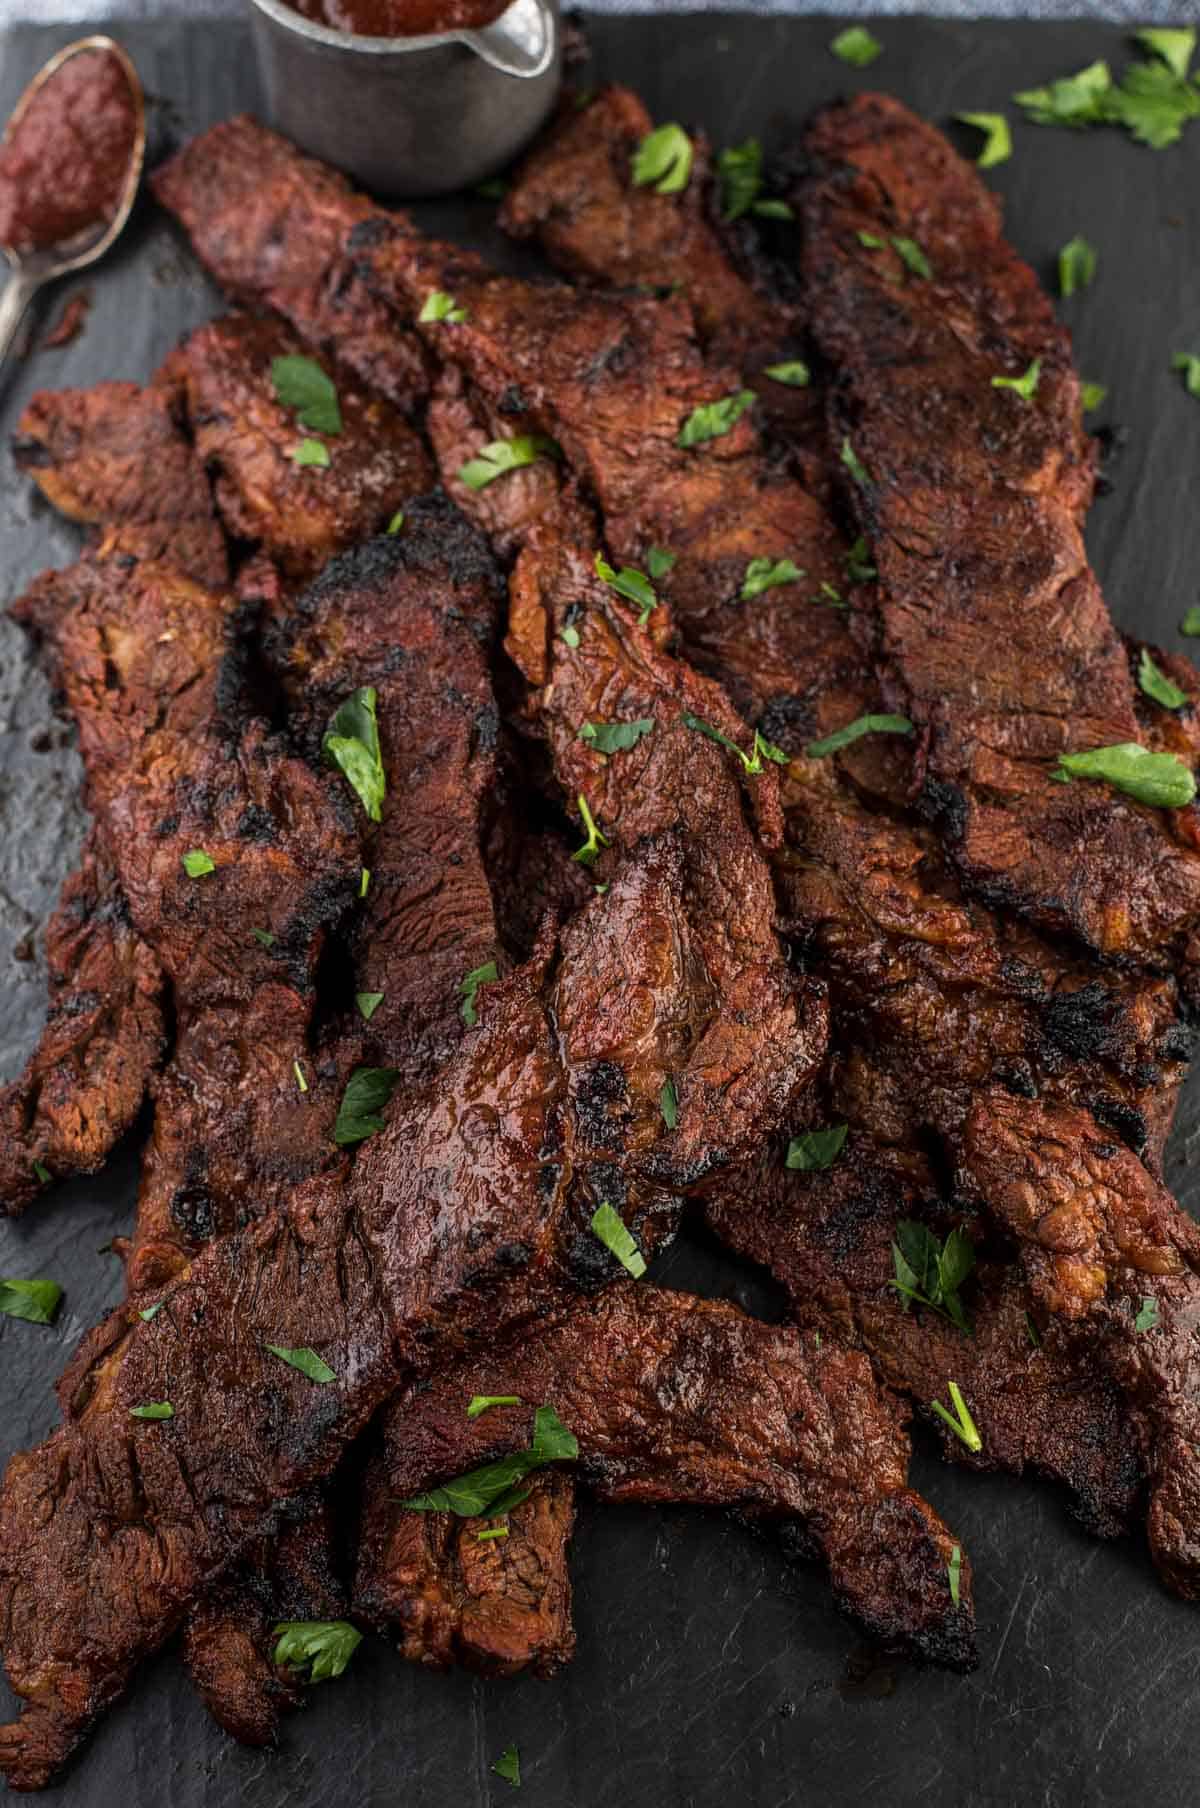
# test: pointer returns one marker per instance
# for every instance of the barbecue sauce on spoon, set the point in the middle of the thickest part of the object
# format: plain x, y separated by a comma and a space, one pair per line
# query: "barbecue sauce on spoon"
65, 159
399, 18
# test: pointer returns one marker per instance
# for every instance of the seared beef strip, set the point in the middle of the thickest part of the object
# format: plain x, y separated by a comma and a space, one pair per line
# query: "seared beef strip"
701, 1404
83, 1086
271, 226
992, 625
114, 457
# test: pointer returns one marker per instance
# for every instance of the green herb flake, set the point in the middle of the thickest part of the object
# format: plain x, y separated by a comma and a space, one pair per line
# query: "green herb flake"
490, 1490
871, 241
311, 452
767, 574
855, 465
482, 1403
197, 864
497, 1531
323, 1647
815, 1150
368, 1003
352, 744
611, 1230
301, 1082
34, 1301
150, 1313
302, 386
954, 1573
668, 1103
615, 737
793, 372
504, 455
859, 569
1153, 100
1155, 683
1153, 104
396, 522
469, 987
264, 937
41, 1172
856, 46
569, 636
929, 1272
772, 208
1031, 1331
1025, 385
1076, 266
1174, 47
959, 1421
997, 137
1092, 396
712, 420
590, 851
440, 306
663, 160
1188, 365
854, 731
304, 1359
508, 1766
1158, 779
630, 583
1147, 1316
659, 561
913, 258
739, 172
368, 1091
153, 1409
752, 762
1190, 625
1072, 100
364, 882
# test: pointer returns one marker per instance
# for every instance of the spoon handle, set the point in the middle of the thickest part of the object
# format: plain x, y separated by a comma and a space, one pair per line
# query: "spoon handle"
13, 303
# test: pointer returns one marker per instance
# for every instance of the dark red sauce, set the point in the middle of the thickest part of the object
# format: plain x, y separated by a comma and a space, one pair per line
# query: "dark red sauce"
400, 18
64, 163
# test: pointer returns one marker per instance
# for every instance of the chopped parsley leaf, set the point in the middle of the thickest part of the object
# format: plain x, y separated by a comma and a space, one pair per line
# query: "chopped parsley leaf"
1188, 365
1147, 1316
997, 137
659, 561
469, 987
590, 851
1092, 396
310, 452
482, 1403
859, 569
612, 1232
440, 306
854, 731
302, 386
396, 522
929, 1272
739, 171
815, 1150
1076, 266
352, 743
615, 737
368, 1003
1158, 779
912, 257
197, 864
489, 1490
793, 371
325, 1647
668, 1103
712, 420
301, 1082
954, 1573
1153, 100
34, 1301
856, 46
752, 762
1025, 385
854, 464
767, 574
153, 1409
959, 1421
368, 1091
150, 1313
496, 1531
264, 936
41, 1172
304, 1359
663, 160
1173, 47
364, 882
503, 455
1190, 625
508, 1766
569, 635
1155, 683
630, 583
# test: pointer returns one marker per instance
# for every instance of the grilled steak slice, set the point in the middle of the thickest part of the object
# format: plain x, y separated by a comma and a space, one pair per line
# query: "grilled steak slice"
704, 1405
271, 226
114, 457
499, 1605
991, 621
83, 1086
299, 516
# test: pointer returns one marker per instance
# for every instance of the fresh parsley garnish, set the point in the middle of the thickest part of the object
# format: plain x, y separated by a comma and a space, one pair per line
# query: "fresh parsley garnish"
1188, 365
1092, 396
484, 1491
1155, 683
752, 762
1173, 46
954, 1573
1147, 1316
930, 1272
311, 452
569, 636
794, 372
739, 170
364, 882
855, 465
263, 936
34, 1301
612, 1232
659, 561
196, 863
508, 1766
368, 1003
668, 1103
815, 1150
856, 46
630, 583
325, 1647
301, 1082
396, 522
1025, 385
590, 851
150, 1313
367, 1093
997, 137
153, 1409
959, 1421
859, 569
469, 987
1031, 1331
912, 257
1158, 779
1153, 100
1076, 266
712, 420
615, 737
302, 386
440, 306
1190, 625
503, 455
304, 1359
490, 1532
766, 574
482, 1403
854, 731
41, 1172
352, 743
663, 160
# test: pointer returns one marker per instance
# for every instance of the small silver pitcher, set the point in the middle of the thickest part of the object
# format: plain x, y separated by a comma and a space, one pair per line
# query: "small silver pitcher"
408, 117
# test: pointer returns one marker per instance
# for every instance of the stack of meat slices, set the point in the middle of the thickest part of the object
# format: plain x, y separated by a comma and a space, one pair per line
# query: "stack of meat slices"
948, 986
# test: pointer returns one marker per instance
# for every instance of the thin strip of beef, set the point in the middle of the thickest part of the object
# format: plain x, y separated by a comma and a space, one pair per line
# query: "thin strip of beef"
991, 622
115, 458
271, 226
83, 1086
701, 1404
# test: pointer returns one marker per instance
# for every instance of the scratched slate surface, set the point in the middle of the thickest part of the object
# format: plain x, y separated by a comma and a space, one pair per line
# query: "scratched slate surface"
709, 1671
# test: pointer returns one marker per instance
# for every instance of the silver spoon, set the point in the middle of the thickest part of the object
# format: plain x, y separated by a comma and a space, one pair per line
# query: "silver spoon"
30, 271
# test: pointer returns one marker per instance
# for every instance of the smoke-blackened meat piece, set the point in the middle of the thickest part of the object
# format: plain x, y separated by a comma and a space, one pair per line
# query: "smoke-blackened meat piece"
299, 515
115, 458
83, 1086
272, 227
703, 1405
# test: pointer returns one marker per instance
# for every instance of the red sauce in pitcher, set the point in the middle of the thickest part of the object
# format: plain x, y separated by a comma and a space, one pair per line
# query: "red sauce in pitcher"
65, 159
399, 18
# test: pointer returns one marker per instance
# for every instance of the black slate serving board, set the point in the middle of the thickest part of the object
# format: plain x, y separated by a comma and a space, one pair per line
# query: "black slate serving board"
709, 1670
